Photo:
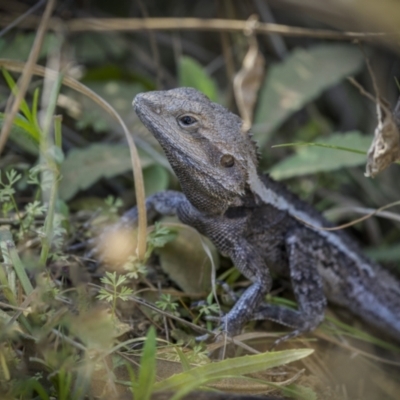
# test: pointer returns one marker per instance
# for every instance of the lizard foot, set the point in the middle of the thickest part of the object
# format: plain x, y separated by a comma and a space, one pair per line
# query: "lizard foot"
228, 326
308, 326
286, 337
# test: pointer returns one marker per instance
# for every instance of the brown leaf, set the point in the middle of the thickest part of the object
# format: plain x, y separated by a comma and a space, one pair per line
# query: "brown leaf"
186, 262
385, 147
247, 82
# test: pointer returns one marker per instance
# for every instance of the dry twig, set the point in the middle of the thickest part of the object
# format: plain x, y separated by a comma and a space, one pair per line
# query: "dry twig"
199, 24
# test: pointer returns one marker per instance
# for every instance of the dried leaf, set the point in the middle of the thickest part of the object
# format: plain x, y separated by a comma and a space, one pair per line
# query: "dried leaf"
247, 82
385, 147
185, 261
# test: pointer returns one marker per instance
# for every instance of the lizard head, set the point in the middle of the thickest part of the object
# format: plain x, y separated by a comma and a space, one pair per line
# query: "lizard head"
204, 143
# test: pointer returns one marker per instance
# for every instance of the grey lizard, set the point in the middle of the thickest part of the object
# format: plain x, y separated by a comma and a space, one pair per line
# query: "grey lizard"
256, 221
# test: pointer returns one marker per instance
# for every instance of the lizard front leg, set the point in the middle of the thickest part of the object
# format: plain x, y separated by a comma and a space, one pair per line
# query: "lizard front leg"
159, 204
307, 286
249, 262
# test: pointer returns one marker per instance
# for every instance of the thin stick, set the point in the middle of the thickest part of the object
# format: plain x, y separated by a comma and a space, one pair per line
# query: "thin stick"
361, 89
26, 74
199, 24
354, 222
22, 17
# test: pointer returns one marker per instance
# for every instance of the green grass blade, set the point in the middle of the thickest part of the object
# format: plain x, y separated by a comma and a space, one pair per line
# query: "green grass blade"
35, 108
183, 359
23, 133
147, 372
19, 268
14, 88
57, 131
360, 335
53, 165
24, 124
237, 366
37, 386
315, 144
52, 103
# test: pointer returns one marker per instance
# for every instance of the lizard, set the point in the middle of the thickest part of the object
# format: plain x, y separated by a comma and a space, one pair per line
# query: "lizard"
257, 221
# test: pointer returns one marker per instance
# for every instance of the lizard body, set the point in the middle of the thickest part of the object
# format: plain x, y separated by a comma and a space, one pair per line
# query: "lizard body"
256, 221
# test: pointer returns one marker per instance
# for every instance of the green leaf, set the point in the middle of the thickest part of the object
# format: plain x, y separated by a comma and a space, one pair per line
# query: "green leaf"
192, 74
312, 159
156, 179
147, 372
300, 78
234, 366
84, 167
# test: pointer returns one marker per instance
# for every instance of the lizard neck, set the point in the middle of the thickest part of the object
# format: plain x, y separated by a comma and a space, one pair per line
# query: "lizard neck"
204, 191
214, 202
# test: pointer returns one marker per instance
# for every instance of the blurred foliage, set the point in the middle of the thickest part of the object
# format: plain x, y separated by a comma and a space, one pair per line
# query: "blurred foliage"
94, 162
300, 78
18, 47
192, 74
61, 341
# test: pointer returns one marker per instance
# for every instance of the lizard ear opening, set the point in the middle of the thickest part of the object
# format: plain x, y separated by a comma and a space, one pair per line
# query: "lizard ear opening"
227, 161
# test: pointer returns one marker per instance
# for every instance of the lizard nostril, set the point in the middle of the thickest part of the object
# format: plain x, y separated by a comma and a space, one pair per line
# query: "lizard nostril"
137, 100
144, 100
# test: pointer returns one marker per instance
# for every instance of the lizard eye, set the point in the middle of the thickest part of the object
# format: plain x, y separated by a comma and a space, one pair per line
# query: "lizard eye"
186, 120
227, 161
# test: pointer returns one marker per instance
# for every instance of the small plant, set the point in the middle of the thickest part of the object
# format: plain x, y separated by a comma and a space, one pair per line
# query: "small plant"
135, 269
113, 204
116, 291
159, 237
48, 169
7, 192
207, 308
198, 355
167, 304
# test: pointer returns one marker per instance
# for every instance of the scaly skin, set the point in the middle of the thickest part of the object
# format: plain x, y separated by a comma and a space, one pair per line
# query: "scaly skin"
256, 221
